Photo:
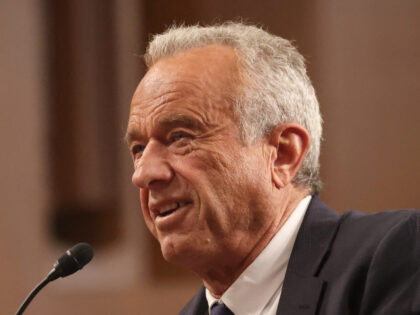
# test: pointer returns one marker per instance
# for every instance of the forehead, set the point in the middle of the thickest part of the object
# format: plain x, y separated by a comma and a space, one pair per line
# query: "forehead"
212, 63
198, 81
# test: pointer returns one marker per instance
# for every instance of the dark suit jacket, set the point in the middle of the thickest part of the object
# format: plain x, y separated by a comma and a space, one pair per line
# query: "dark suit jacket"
352, 264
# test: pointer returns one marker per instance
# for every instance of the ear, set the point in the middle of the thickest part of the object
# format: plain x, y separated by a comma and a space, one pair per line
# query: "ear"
291, 143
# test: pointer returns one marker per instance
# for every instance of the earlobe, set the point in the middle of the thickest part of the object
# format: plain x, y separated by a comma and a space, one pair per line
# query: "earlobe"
277, 180
291, 143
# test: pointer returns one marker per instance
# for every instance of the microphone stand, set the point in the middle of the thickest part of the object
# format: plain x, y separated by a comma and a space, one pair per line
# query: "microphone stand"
34, 292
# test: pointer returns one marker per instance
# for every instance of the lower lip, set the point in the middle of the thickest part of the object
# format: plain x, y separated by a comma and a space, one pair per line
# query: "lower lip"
173, 219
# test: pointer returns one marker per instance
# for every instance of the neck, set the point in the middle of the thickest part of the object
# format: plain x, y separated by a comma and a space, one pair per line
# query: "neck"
220, 276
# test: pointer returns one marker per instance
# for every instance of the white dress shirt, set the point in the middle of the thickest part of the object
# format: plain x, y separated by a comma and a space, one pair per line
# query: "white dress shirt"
257, 290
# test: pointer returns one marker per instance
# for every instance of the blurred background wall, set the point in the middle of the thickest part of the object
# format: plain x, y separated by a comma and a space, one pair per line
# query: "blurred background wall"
68, 69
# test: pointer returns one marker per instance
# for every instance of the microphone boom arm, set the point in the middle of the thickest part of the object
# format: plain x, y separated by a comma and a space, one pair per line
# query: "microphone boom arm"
33, 293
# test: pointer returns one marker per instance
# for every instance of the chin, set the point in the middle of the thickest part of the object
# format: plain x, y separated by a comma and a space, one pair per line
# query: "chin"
168, 252
178, 251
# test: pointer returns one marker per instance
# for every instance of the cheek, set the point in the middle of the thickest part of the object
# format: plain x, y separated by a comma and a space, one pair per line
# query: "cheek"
208, 173
247, 181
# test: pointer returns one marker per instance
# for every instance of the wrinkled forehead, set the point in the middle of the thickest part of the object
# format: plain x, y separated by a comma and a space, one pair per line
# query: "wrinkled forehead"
211, 58
210, 70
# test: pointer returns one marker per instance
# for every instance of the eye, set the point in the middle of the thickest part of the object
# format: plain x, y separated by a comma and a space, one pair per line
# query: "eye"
137, 149
178, 136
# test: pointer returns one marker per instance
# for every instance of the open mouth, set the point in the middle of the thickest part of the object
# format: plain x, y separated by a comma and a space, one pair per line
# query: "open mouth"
171, 208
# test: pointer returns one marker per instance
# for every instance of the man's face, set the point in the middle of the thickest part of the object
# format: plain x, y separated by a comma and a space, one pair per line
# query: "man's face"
203, 192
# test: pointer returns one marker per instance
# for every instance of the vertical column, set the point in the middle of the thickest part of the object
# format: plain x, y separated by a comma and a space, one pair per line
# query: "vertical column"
83, 128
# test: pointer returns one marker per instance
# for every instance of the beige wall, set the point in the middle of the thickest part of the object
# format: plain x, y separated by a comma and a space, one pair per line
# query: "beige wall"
23, 185
367, 81
364, 64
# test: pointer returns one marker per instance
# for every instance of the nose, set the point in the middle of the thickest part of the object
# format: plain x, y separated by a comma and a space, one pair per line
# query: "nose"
152, 168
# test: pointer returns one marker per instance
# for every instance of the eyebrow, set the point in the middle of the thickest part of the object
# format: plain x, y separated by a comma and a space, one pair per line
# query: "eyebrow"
164, 122
130, 135
178, 119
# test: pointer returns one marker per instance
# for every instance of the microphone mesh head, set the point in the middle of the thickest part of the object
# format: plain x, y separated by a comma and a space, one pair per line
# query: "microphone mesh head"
72, 260
82, 253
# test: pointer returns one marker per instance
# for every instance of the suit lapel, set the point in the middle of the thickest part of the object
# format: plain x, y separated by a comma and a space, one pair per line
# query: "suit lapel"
197, 305
302, 288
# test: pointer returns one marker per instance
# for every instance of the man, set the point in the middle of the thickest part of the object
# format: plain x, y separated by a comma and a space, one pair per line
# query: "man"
224, 131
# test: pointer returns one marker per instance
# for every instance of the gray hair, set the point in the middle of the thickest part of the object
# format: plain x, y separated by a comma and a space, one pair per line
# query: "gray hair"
277, 88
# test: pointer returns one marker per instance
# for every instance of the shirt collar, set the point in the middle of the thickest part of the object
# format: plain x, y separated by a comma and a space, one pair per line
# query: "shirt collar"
265, 275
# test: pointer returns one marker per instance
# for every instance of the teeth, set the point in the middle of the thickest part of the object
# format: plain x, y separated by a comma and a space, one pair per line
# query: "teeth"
169, 207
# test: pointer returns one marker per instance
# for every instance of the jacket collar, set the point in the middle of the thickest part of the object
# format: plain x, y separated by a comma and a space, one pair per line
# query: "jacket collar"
302, 288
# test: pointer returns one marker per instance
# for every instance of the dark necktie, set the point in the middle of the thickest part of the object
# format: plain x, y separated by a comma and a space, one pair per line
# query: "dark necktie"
220, 309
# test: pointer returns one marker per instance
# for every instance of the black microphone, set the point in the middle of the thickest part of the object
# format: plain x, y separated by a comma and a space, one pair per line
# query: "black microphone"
74, 259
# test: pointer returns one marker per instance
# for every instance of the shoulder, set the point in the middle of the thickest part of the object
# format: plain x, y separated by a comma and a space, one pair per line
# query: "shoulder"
356, 231
367, 234
376, 226
374, 262
387, 217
